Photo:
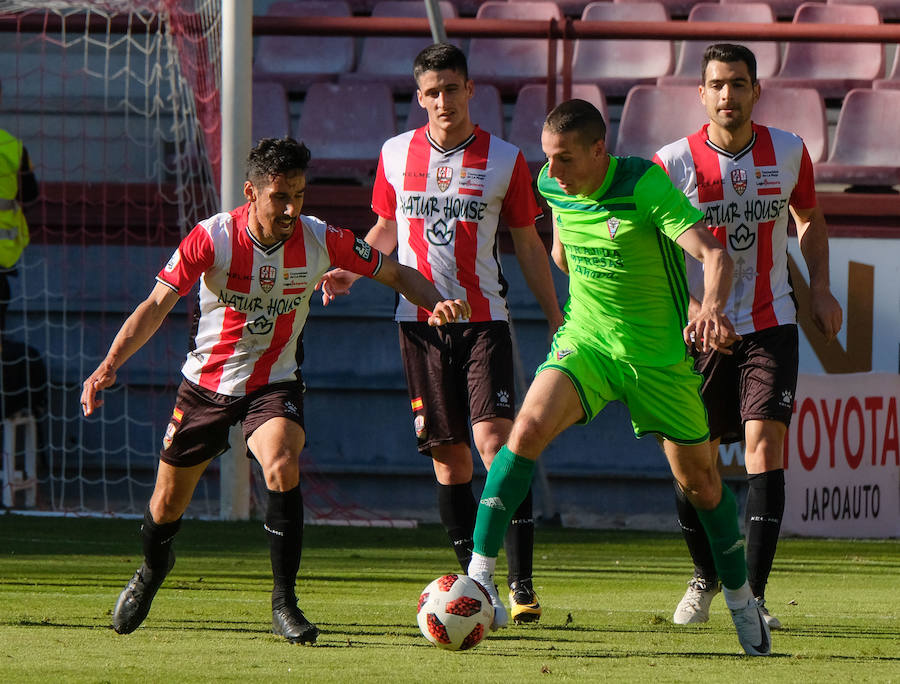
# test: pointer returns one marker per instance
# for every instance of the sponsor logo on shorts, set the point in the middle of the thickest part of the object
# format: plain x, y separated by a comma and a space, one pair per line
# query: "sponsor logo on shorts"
787, 398
267, 277
416, 403
173, 261
170, 434
503, 398
444, 176
739, 180
291, 407
563, 353
612, 224
419, 426
493, 502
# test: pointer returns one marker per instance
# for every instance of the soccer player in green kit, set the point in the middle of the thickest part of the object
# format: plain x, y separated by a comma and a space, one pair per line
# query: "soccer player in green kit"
620, 230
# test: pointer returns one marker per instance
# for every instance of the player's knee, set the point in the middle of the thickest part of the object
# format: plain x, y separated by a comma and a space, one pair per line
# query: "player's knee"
282, 471
703, 487
529, 436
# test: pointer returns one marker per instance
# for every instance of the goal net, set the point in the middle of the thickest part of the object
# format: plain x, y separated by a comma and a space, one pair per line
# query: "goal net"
117, 105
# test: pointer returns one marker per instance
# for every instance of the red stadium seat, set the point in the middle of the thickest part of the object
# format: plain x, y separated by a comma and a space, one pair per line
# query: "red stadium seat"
892, 82
832, 68
531, 110
510, 63
866, 143
687, 71
389, 59
271, 118
783, 9
571, 8
485, 109
674, 8
617, 65
798, 110
296, 62
654, 116
344, 125
888, 9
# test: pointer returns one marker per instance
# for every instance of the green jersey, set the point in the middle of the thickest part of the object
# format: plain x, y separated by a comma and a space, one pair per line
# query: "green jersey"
628, 290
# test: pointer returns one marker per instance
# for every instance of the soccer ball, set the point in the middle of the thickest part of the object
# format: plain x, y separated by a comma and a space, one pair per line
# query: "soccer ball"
454, 612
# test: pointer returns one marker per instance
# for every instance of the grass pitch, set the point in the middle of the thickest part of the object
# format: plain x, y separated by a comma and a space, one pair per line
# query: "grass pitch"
608, 600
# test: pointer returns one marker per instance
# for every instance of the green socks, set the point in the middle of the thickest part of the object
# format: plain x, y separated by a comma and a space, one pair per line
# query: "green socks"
721, 525
507, 484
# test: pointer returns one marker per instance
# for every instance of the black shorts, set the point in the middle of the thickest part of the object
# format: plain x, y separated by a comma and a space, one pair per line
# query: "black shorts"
198, 428
457, 373
756, 382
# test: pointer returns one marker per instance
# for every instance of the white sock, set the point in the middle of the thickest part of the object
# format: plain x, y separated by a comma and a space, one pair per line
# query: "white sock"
737, 598
481, 566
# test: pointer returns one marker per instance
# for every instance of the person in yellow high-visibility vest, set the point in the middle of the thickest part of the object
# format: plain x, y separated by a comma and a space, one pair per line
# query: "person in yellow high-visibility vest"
17, 185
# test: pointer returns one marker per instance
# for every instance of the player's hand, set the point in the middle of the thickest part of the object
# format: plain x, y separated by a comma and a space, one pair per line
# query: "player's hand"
826, 313
335, 283
449, 311
100, 379
710, 329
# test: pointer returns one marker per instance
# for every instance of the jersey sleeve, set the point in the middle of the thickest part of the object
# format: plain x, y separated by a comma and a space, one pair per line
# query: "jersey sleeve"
804, 193
384, 196
194, 255
667, 206
352, 253
520, 208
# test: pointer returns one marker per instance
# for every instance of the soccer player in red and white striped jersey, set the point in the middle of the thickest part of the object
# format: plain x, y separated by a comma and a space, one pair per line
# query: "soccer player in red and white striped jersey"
749, 179
257, 266
440, 192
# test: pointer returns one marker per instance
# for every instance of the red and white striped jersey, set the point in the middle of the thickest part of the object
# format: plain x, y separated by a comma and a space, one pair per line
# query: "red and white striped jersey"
447, 205
254, 300
745, 197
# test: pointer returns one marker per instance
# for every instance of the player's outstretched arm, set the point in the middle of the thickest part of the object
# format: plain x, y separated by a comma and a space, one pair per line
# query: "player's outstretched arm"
337, 282
709, 327
421, 292
134, 333
812, 233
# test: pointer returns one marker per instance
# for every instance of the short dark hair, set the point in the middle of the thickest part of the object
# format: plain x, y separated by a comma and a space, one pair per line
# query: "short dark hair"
728, 52
579, 116
275, 156
438, 57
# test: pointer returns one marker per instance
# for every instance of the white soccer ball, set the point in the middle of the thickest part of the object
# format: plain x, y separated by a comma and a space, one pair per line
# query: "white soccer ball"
455, 612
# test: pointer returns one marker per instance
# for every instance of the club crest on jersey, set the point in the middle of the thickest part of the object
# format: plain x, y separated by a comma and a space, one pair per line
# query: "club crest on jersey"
612, 224
444, 176
267, 277
739, 180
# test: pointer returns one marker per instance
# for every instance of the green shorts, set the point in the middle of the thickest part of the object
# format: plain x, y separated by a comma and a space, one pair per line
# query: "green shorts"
664, 400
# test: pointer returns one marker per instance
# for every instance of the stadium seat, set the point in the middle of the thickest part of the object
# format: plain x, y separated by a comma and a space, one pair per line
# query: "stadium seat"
687, 71
674, 8
892, 81
271, 117
530, 111
798, 110
510, 63
389, 59
888, 9
344, 125
783, 9
298, 61
485, 109
571, 8
866, 143
617, 65
654, 116
832, 68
